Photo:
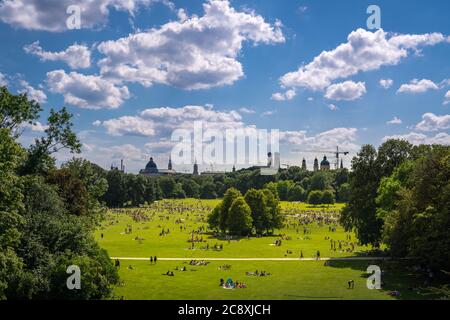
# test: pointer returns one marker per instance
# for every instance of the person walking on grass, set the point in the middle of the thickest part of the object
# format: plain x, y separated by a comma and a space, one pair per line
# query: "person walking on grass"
351, 284
154, 259
151, 260
318, 255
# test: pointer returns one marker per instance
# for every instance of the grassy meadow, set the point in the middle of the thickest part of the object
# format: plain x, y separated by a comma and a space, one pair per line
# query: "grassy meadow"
166, 230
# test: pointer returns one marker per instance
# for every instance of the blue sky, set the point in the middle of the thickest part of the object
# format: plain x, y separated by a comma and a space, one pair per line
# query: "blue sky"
134, 65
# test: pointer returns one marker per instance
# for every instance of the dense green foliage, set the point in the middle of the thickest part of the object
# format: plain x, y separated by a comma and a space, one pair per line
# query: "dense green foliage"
400, 196
47, 215
414, 204
258, 211
293, 184
368, 168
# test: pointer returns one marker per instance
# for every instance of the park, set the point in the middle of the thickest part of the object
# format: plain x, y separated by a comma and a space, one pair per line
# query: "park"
165, 229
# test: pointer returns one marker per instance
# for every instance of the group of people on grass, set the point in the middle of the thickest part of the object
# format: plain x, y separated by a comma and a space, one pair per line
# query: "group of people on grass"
229, 284
258, 273
198, 263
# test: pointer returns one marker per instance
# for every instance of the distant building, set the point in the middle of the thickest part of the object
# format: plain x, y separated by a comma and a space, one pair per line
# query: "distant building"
324, 164
169, 167
304, 164
151, 170
122, 167
316, 165
195, 173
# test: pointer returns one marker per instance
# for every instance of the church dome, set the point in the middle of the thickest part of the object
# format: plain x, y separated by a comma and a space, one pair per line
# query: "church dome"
325, 162
151, 166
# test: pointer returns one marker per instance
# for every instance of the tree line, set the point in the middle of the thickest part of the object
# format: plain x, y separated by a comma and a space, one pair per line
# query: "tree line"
47, 215
400, 197
293, 184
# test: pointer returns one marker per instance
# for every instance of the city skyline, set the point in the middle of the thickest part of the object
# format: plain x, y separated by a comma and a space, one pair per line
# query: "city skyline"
138, 70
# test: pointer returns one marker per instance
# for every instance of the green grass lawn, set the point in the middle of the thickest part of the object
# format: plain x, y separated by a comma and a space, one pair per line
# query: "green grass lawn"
288, 279
176, 245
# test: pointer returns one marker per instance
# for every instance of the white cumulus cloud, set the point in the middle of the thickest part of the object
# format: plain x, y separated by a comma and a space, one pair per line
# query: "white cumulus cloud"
418, 86
347, 90
52, 15
395, 121
33, 93
432, 122
363, 51
447, 98
161, 122
194, 53
345, 138
87, 91
284, 96
419, 138
386, 83
76, 56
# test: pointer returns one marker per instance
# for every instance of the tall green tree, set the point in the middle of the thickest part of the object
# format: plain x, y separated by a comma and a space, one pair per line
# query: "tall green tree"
360, 213
58, 136
11, 220
16, 110
228, 199
256, 200
368, 169
240, 217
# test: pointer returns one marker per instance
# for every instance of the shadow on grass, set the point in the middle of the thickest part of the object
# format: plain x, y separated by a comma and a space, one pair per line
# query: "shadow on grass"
396, 277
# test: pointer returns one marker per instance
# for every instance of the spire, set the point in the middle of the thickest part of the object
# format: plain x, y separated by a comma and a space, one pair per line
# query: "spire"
170, 163
316, 165
195, 173
304, 164
342, 163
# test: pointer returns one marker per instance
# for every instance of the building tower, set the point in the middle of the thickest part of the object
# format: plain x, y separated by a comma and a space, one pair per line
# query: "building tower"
170, 163
234, 168
304, 164
269, 160
324, 164
342, 163
316, 165
195, 173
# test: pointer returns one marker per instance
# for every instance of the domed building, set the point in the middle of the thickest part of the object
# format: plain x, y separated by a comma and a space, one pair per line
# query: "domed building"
324, 164
151, 169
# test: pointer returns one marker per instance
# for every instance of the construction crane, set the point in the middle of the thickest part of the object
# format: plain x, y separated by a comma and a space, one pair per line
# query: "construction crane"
336, 153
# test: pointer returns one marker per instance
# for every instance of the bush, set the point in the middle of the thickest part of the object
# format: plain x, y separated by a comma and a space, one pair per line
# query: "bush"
315, 197
327, 197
